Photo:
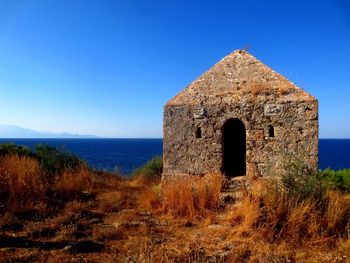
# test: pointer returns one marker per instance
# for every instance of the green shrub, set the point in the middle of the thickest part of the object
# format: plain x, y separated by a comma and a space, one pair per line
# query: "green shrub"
300, 182
51, 159
54, 161
336, 179
151, 172
14, 149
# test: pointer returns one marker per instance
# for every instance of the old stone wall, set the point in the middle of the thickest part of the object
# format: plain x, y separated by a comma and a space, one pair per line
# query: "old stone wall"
295, 125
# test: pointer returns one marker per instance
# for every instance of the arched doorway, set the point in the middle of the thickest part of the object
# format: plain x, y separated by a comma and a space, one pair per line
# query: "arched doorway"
234, 148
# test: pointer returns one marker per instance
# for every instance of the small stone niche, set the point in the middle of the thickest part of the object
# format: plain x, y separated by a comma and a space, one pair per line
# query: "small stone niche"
198, 133
271, 131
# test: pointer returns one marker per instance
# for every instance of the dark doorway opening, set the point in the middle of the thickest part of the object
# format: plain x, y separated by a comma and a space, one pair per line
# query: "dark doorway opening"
234, 148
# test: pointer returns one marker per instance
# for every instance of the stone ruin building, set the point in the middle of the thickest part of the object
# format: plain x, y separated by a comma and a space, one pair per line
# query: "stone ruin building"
238, 118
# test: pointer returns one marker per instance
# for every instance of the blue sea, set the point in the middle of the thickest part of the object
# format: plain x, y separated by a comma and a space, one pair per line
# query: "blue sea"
124, 155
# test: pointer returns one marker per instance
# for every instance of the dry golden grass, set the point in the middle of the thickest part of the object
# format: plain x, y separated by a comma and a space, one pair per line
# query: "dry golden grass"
149, 198
265, 88
74, 207
244, 216
108, 233
111, 201
191, 196
75, 181
22, 179
258, 88
271, 215
180, 222
337, 214
343, 248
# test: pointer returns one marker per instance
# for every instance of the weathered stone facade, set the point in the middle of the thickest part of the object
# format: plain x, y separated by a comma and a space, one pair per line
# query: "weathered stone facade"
278, 118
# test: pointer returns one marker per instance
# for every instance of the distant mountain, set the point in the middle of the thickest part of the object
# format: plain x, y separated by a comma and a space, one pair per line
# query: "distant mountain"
10, 131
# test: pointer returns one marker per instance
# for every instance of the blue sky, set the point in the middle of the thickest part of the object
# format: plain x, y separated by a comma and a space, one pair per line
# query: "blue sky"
108, 67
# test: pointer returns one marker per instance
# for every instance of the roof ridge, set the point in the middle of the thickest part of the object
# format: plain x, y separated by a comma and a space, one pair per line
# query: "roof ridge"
241, 76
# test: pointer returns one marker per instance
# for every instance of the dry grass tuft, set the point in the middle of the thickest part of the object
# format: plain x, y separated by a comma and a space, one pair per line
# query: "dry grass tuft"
268, 213
337, 214
21, 179
258, 88
111, 201
343, 248
75, 181
244, 216
191, 196
149, 198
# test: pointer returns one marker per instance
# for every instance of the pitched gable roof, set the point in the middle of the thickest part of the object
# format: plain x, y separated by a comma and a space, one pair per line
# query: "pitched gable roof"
240, 76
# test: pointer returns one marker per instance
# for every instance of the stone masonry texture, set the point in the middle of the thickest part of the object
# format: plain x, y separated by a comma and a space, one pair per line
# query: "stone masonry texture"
239, 87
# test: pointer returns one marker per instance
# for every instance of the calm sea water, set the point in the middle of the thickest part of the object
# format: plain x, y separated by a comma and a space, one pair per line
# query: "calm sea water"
334, 153
108, 154
128, 154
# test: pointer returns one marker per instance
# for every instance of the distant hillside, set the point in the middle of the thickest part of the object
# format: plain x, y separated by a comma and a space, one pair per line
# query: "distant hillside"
10, 131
